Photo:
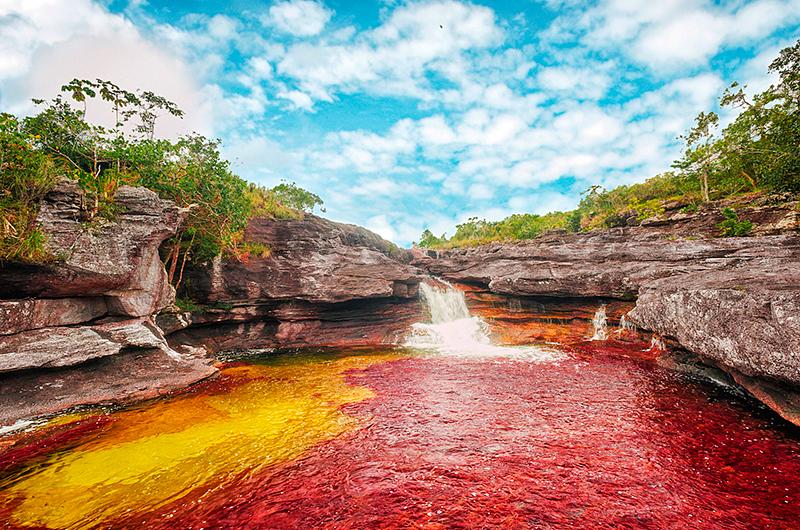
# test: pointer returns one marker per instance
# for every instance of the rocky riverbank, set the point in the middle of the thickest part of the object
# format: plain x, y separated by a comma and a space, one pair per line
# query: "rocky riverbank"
99, 323
732, 302
322, 284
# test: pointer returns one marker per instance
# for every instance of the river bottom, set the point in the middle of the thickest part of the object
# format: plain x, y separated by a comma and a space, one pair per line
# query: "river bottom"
598, 439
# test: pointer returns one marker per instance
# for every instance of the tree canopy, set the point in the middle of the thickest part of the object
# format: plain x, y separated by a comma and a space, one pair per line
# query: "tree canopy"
59, 141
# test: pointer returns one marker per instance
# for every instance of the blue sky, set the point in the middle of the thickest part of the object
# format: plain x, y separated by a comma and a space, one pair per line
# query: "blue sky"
412, 115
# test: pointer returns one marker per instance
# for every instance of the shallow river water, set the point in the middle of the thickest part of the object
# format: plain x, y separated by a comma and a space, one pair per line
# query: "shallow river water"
398, 439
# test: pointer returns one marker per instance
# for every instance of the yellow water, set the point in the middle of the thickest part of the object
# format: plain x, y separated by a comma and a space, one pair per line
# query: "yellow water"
156, 454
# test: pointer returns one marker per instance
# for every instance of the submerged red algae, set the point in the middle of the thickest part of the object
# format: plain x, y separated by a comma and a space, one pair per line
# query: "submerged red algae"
599, 440
607, 441
149, 456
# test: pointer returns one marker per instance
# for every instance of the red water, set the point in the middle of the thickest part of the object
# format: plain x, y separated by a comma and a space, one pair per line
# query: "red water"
594, 441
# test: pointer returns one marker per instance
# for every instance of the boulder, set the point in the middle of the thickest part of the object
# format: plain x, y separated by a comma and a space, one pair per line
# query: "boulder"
114, 258
312, 259
746, 318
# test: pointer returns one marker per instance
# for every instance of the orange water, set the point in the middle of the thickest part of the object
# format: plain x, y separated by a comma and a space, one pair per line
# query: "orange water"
255, 416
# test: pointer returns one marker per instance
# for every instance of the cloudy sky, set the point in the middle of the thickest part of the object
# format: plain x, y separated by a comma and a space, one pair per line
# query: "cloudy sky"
412, 115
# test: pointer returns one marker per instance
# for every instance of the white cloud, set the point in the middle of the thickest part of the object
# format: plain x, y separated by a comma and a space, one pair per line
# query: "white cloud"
394, 57
298, 99
380, 225
222, 28
47, 43
259, 158
672, 34
25, 25
577, 82
689, 38
301, 18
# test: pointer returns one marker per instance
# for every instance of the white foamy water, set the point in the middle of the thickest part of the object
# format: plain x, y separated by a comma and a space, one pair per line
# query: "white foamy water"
16, 426
600, 324
453, 331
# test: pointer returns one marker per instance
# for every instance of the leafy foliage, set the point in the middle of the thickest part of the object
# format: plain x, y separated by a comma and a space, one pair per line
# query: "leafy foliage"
732, 226
293, 196
59, 142
759, 150
26, 174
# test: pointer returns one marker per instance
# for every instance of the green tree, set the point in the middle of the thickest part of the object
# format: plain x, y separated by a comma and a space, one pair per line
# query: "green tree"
701, 152
292, 195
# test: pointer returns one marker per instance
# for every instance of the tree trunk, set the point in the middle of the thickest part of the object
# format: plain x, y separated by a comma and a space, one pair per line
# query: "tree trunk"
173, 259
183, 263
704, 186
749, 179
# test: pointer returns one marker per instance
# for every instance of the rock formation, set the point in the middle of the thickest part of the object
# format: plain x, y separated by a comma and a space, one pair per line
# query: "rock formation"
59, 322
98, 323
89, 326
322, 284
734, 302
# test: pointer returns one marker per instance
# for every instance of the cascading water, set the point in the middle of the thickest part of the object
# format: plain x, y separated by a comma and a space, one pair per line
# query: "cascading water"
624, 325
657, 344
453, 331
600, 324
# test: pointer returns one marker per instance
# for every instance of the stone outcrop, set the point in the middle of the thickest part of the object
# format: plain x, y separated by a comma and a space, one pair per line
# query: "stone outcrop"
96, 300
322, 284
116, 259
734, 302
88, 327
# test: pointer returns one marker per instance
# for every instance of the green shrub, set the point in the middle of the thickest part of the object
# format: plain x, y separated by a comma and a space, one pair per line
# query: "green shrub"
732, 226
186, 304
26, 175
293, 196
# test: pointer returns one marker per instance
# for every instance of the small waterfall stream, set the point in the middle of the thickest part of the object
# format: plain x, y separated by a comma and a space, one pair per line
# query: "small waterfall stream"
600, 324
453, 331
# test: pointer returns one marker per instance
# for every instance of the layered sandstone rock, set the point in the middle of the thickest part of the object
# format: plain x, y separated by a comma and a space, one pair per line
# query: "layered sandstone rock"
94, 305
116, 259
735, 302
322, 284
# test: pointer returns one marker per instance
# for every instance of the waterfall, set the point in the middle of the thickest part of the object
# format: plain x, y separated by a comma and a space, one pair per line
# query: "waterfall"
453, 331
600, 324
445, 305
657, 344
624, 325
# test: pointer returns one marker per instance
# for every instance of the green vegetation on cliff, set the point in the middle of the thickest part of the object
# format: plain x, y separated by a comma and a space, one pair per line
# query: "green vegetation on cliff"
58, 142
758, 151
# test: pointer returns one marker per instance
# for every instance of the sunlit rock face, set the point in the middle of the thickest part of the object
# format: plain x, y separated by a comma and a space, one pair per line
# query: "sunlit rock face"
732, 301
322, 284
60, 322
523, 320
116, 259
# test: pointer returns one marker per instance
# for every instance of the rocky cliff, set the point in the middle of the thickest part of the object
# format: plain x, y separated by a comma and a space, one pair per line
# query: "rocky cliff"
734, 302
321, 284
69, 328
89, 327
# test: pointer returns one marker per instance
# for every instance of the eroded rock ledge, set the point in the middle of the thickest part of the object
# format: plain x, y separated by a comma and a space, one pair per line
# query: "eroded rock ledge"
734, 302
323, 284
81, 329
90, 326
